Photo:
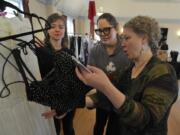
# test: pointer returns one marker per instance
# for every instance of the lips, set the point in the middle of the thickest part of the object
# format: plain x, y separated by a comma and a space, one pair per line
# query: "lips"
57, 35
125, 51
105, 39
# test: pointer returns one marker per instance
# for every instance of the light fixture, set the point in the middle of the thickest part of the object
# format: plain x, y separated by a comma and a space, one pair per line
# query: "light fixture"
100, 11
99, 14
121, 30
178, 33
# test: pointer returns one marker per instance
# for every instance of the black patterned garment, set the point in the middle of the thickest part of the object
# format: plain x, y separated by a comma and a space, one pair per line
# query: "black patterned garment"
62, 90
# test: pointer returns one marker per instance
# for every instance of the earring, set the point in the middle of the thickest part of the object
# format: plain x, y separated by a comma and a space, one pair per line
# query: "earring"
141, 51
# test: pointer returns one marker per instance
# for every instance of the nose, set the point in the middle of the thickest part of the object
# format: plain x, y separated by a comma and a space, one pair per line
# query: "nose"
57, 29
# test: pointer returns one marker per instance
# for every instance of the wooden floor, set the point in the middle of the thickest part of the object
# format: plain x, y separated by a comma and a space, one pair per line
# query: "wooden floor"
174, 118
84, 120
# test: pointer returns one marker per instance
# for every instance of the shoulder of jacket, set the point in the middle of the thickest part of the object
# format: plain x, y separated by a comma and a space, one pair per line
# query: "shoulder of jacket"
160, 69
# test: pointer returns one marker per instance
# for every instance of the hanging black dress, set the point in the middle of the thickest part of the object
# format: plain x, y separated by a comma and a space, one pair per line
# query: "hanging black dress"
61, 90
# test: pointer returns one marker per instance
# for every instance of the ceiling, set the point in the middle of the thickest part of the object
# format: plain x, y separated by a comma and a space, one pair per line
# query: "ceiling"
165, 10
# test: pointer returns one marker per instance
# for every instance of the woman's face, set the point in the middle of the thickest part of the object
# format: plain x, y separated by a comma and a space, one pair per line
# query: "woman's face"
57, 30
132, 43
106, 31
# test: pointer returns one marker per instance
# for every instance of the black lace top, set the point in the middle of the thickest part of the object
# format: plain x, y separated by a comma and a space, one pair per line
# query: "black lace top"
61, 90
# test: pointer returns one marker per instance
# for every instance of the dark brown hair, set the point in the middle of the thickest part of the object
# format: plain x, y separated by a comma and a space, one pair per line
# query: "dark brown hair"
110, 18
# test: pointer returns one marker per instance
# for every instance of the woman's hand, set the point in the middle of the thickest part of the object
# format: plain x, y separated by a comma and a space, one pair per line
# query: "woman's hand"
52, 113
96, 78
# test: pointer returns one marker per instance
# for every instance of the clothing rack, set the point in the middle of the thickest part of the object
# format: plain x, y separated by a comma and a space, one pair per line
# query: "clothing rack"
22, 34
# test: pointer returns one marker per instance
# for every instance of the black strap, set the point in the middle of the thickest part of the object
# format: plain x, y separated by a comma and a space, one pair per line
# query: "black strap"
26, 68
20, 63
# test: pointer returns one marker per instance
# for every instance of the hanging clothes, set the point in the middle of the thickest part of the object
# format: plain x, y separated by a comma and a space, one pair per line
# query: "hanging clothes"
76, 47
66, 92
81, 46
72, 42
17, 115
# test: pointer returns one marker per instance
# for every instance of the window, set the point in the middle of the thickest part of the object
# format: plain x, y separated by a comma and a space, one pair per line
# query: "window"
96, 37
70, 26
10, 11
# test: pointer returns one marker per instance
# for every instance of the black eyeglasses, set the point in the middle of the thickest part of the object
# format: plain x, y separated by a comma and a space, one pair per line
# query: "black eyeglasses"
105, 31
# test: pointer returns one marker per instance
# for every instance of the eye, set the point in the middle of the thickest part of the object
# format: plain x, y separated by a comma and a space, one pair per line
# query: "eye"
125, 37
106, 30
61, 26
53, 26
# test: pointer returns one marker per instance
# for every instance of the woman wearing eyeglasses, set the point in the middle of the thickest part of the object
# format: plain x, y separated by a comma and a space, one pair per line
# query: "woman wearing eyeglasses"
108, 56
143, 107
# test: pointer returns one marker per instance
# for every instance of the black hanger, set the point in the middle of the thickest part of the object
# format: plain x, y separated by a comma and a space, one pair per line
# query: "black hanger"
22, 68
4, 4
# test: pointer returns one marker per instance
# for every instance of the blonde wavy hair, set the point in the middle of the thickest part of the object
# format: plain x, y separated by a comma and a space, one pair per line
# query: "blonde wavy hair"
144, 25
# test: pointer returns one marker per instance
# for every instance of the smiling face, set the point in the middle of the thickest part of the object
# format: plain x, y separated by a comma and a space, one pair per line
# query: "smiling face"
106, 31
57, 30
133, 43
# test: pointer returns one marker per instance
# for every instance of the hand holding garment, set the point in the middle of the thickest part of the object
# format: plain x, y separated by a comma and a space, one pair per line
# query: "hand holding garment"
62, 90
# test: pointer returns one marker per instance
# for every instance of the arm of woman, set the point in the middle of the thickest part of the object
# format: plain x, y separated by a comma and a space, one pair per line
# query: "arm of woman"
158, 96
53, 113
99, 80
154, 105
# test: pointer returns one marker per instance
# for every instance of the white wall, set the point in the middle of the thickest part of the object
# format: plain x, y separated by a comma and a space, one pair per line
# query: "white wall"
172, 39
82, 25
164, 9
38, 8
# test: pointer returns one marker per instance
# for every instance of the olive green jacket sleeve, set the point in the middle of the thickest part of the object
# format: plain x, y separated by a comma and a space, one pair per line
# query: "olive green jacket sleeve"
150, 97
